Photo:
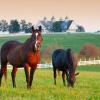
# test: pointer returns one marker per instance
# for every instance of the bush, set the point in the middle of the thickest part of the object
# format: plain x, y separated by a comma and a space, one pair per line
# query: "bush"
89, 51
47, 53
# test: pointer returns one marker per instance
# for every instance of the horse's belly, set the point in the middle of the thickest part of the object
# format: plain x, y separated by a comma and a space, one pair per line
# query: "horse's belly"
14, 60
33, 58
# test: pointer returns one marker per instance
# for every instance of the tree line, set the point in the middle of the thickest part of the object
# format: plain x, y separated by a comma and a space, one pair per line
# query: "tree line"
15, 26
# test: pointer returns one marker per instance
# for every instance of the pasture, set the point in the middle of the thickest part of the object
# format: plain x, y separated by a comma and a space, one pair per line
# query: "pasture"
74, 41
87, 86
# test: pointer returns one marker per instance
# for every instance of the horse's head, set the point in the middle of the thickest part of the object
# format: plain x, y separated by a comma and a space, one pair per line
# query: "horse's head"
73, 65
36, 34
72, 79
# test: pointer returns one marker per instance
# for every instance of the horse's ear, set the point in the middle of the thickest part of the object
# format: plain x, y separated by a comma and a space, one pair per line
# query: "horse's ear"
40, 28
32, 28
76, 74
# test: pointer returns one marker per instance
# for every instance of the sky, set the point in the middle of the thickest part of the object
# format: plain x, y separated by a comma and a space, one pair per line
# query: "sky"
83, 12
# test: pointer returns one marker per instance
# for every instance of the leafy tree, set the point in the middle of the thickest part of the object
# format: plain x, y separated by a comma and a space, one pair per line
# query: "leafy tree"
23, 25
89, 51
3, 25
80, 28
57, 26
14, 26
28, 28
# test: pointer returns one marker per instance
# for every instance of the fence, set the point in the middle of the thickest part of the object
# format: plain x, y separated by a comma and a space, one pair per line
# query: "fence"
88, 62
80, 63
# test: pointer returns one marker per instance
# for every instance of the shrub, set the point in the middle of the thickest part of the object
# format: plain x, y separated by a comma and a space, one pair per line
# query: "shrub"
89, 51
47, 53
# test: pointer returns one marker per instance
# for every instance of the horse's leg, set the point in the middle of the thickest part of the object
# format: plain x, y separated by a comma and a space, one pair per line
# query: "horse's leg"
1, 74
3, 71
63, 77
13, 74
54, 76
26, 68
67, 76
31, 76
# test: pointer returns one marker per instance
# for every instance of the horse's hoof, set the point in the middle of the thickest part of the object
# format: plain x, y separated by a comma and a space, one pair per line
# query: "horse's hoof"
28, 87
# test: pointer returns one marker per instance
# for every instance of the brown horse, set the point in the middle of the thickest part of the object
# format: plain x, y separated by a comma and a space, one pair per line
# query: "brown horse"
25, 55
65, 61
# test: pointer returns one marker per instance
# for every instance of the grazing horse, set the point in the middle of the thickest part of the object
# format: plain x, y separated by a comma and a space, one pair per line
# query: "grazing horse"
19, 55
65, 61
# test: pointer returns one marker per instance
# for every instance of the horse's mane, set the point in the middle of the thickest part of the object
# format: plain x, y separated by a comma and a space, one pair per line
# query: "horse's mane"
70, 59
30, 42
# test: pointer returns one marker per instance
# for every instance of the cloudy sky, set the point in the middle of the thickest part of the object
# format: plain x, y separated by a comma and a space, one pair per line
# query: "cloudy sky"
83, 12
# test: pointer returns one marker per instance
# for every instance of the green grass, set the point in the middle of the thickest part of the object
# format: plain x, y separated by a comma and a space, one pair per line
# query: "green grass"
74, 41
93, 68
87, 86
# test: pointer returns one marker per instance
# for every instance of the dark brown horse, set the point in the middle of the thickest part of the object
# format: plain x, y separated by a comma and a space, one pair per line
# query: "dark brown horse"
25, 55
65, 61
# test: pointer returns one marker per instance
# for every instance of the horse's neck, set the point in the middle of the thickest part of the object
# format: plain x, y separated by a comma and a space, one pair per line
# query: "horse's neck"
28, 44
27, 41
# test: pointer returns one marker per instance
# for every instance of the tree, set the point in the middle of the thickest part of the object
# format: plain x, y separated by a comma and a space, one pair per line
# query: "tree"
47, 53
23, 25
14, 26
89, 51
57, 26
80, 28
28, 28
3, 25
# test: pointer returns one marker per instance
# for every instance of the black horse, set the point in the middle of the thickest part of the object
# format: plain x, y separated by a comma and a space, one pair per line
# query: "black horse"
25, 55
65, 61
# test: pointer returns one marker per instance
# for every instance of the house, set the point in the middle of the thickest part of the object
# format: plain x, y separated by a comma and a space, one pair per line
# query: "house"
72, 28
66, 25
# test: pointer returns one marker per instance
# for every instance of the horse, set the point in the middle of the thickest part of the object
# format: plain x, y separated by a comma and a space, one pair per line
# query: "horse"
19, 55
65, 61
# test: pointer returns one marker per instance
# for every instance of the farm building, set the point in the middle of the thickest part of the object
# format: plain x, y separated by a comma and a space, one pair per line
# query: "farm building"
64, 25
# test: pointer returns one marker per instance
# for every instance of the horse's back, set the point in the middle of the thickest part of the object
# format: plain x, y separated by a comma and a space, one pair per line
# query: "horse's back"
56, 54
58, 58
7, 47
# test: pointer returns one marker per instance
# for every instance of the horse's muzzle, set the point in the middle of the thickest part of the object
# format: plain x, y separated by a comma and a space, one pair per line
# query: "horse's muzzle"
37, 46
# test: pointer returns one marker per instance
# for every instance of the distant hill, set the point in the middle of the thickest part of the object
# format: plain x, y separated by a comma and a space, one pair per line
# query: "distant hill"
74, 41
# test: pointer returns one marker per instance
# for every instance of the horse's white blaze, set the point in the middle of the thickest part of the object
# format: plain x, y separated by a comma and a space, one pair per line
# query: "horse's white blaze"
36, 41
37, 34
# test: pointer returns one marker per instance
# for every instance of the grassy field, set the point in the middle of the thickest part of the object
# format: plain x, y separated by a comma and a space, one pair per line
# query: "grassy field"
87, 86
74, 41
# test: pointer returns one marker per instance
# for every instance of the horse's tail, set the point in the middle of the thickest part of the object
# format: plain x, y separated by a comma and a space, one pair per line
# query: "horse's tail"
70, 59
4, 68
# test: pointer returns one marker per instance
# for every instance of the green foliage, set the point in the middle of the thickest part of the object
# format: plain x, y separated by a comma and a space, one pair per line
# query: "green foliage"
87, 86
57, 26
14, 26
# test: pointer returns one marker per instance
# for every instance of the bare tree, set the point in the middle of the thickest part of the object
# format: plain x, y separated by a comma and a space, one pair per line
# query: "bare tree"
47, 53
